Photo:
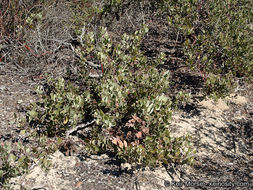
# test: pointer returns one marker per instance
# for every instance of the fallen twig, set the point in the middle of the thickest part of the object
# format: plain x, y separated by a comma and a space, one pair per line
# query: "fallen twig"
79, 127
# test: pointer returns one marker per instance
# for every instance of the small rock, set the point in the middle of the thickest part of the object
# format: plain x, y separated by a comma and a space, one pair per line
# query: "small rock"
2, 88
126, 166
20, 101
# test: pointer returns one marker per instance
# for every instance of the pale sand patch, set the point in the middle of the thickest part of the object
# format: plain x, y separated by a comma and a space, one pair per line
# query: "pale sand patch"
38, 178
237, 99
207, 126
159, 177
218, 106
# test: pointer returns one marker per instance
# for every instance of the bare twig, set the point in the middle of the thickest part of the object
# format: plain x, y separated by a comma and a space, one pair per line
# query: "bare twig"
79, 127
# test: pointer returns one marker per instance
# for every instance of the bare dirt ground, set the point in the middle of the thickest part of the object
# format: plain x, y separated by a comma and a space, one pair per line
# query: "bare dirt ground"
221, 133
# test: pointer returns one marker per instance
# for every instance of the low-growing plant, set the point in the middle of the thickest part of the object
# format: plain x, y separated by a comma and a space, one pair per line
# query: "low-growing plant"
128, 102
14, 160
133, 112
61, 105
218, 38
217, 87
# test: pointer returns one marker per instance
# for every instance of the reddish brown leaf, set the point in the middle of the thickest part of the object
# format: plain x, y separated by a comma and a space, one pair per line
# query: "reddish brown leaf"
145, 130
121, 145
135, 117
125, 143
118, 141
138, 135
78, 184
115, 140
129, 134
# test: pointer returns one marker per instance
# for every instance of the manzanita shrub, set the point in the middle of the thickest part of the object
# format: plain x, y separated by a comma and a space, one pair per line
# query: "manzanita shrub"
133, 113
217, 36
14, 160
61, 105
218, 39
17, 157
128, 102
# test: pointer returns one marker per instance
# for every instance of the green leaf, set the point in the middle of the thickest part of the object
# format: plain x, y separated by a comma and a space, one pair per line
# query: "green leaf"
150, 108
22, 132
59, 140
33, 113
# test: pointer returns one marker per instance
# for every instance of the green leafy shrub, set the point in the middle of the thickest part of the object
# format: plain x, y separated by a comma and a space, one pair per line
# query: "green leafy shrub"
93, 12
14, 160
218, 86
218, 38
62, 105
133, 112
128, 102
217, 35
85, 11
